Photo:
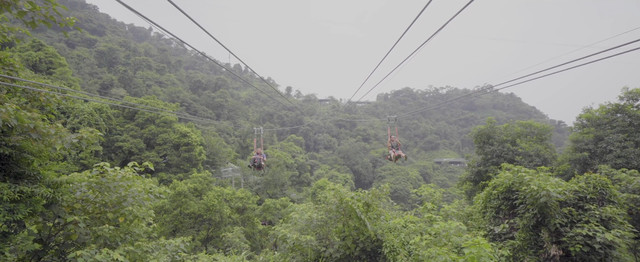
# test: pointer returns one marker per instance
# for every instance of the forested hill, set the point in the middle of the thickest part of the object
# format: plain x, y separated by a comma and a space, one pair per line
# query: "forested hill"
118, 60
120, 144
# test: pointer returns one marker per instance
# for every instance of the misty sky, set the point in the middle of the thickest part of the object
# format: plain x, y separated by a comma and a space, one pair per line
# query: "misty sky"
329, 47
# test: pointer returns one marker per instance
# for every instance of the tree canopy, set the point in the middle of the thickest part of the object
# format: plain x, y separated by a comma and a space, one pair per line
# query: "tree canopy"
606, 136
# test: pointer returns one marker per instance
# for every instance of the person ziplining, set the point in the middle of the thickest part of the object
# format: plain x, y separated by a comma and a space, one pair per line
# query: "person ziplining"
393, 143
258, 160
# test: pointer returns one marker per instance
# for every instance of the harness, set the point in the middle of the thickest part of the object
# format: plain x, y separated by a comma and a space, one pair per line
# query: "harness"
256, 131
395, 145
395, 124
257, 159
394, 119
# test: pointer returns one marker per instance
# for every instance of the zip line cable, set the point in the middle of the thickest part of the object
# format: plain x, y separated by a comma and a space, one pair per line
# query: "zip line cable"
316, 121
98, 101
197, 50
569, 68
160, 111
391, 49
540, 71
576, 50
230, 52
106, 98
298, 126
290, 127
490, 89
574, 60
417, 49
162, 29
358, 120
325, 120
149, 109
131, 105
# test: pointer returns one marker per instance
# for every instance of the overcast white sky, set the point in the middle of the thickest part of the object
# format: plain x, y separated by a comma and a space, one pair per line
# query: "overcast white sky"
329, 47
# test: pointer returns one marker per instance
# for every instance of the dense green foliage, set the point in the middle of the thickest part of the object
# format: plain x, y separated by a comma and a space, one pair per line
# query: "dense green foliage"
535, 215
126, 146
523, 143
607, 136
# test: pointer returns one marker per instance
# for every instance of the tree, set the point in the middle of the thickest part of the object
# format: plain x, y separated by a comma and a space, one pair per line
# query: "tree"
288, 90
29, 157
44, 60
35, 148
31, 15
175, 149
607, 135
103, 208
355, 156
536, 216
304, 234
218, 151
433, 232
524, 143
210, 215
288, 170
108, 56
102, 214
181, 149
335, 176
628, 183
401, 181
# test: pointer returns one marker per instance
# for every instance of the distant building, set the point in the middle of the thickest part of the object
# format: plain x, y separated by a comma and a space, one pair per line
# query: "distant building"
361, 103
451, 161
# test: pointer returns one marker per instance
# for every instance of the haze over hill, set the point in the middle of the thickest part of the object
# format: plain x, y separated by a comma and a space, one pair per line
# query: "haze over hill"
329, 47
117, 60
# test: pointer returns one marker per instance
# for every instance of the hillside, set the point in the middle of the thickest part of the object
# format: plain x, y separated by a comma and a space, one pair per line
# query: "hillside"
115, 59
